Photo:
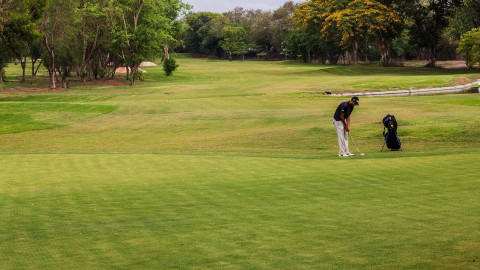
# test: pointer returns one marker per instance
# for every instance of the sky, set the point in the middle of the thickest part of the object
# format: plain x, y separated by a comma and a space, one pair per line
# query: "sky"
221, 6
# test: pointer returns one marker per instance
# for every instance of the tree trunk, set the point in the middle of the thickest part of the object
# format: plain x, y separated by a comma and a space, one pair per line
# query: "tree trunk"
433, 57
1, 74
23, 63
51, 69
64, 78
33, 66
83, 72
355, 52
115, 66
165, 52
133, 71
384, 51
38, 67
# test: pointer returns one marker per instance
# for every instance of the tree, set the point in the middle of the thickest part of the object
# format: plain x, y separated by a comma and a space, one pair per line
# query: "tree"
309, 19
351, 23
281, 24
473, 5
260, 30
140, 29
198, 29
25, 14
211, 35
466, 17
234, 40
5, 49
59, 26
301, 42
4, 14
171, 38
430, 21
18, 32
93, 35
361, 21
469, 47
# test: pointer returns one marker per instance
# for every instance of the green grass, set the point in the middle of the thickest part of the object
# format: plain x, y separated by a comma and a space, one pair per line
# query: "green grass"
234, 166
25, 113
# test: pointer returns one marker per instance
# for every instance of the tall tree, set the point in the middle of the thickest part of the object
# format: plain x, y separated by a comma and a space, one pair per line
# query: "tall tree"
140, 29
259, 25
211, 35
4, 12
355, 21
172, 38
93, 34
466, 17
17, 30
24, 17
281, 24
234, 40
431, 18
309, 20
198, 28
59, 26
5, 49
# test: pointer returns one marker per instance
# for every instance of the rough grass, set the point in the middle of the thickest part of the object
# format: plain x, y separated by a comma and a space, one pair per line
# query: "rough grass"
234, 166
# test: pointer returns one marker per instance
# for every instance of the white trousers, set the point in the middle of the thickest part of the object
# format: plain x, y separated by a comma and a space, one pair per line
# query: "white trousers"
342, 138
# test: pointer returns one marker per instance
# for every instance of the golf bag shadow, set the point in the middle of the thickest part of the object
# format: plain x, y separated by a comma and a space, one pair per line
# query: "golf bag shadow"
390, 133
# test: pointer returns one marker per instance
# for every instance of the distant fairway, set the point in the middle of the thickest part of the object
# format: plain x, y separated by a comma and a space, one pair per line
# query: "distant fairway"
233, 165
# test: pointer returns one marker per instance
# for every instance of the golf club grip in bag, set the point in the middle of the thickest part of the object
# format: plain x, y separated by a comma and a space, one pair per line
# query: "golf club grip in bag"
390, 133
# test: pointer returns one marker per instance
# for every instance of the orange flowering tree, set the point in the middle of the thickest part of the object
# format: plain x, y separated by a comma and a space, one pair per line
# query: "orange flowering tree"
309, 19
353, 22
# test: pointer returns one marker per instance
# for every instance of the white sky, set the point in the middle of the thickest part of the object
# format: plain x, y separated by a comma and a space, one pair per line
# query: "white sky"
228, 5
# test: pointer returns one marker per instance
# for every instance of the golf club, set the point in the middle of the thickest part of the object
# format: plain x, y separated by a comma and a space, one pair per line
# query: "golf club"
356, 146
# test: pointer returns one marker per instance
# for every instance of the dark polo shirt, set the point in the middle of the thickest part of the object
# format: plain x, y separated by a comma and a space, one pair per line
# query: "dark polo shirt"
345, 108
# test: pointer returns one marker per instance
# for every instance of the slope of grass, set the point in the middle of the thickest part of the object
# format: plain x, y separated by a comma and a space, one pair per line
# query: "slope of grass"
234, 166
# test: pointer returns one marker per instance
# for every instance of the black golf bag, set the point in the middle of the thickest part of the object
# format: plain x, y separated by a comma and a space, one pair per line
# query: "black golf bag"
390, 133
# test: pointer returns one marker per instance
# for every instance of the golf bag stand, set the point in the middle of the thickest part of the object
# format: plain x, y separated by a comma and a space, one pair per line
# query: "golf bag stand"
390, 133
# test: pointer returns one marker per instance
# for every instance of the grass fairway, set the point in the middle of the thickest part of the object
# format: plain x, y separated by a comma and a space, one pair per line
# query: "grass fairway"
234, 166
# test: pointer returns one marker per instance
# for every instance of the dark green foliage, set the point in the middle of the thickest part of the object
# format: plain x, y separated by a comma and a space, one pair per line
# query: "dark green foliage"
169, 66
469, 47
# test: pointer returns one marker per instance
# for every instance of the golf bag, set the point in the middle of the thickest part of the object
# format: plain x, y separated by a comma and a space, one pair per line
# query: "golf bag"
390, 133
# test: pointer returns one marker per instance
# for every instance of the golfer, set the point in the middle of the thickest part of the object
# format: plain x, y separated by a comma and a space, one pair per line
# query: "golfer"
341, 121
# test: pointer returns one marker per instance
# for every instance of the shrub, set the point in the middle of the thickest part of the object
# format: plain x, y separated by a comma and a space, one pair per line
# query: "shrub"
469, 47
169, 66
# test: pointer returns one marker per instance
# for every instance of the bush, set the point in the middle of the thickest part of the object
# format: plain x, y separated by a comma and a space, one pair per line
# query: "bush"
469, 47
169, 66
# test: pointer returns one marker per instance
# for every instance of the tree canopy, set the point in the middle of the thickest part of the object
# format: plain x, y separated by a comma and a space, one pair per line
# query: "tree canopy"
342, 30
87, 36
91, 38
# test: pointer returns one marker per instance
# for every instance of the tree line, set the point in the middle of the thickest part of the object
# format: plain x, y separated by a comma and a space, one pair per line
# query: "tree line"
91, 38
87, 38
329, 31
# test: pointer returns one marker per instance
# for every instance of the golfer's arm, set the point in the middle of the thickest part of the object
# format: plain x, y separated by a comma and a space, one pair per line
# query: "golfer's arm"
345, 122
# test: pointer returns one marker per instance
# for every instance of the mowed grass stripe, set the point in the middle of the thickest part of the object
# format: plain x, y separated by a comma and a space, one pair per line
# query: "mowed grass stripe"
148, 211
233, 165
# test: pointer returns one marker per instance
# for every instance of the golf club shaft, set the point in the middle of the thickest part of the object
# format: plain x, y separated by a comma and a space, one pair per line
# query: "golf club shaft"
356, 146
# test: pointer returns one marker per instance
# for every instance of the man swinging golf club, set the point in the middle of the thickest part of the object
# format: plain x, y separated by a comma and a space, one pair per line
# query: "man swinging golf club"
341, 122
